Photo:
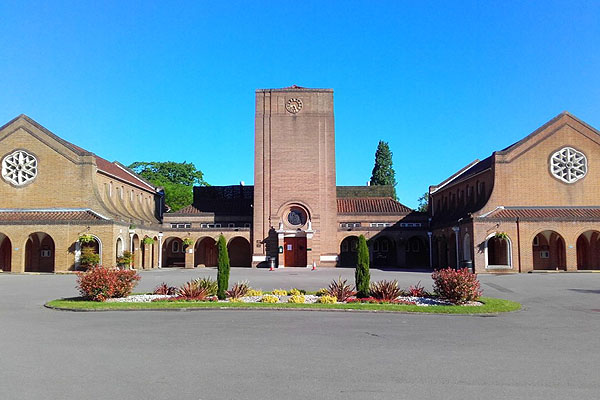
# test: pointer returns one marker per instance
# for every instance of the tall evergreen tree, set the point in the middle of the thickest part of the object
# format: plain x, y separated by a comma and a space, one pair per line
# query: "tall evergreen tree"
222, 268
362, 275
383, 171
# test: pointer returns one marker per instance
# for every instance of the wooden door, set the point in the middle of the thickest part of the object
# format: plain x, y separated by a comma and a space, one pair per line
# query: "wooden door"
294, 250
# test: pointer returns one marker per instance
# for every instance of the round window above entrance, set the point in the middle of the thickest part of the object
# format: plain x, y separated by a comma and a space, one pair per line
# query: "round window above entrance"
296, 217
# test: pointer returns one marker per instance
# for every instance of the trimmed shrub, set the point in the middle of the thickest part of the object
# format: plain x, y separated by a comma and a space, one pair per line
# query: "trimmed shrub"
296, 298
124, 260
223, 268
326, 299
267, 298
101, 283
340, 289
362, 275
456, 286
386, 290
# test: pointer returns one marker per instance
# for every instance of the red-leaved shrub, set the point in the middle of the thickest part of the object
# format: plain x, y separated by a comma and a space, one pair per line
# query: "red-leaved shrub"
456, 286
100, 283
417, 291
165, 289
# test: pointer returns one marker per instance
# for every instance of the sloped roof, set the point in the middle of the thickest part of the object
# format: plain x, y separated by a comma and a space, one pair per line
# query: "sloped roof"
371, 205
113, 169
544, 213
50, 215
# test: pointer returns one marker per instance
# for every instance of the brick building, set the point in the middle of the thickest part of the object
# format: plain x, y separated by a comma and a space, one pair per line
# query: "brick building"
531, 206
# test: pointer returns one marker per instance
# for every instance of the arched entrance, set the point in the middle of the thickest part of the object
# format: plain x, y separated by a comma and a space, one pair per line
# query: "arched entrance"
240, 253
205, 252
84, 253
39, 253
349, 252
173, 252
119, 248
5, 253
136, 261
549, 251
416, 252
498, 251
588, 250
383, 251
442, 252
154, 256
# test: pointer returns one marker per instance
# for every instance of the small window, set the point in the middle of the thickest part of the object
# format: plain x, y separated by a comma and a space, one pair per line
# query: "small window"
175, 246
544, 254
231, 225
247, 225
46, 253
217, 225
384, 246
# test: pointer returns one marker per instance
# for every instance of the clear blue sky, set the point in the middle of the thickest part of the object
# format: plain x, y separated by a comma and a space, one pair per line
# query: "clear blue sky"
442, 82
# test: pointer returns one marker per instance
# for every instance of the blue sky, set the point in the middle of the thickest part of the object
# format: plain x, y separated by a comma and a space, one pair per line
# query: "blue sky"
443, 82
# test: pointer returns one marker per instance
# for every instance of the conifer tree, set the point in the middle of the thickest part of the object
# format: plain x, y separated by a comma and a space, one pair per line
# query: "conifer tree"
383, 171
223, 268
362, 274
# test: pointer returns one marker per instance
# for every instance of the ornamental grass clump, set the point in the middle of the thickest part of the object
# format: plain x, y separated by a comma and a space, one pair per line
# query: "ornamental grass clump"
101, 283
165, 289
240, 289
210, 285
191, 291
386, 291
456, 286
340, 290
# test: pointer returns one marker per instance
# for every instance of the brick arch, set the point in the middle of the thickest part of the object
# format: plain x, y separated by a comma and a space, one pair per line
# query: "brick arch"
383, 251
173, 254
549, 251
40, 253
349, 251
417, 251
588, 250
498, 251
240, 252
5, 253
205, 252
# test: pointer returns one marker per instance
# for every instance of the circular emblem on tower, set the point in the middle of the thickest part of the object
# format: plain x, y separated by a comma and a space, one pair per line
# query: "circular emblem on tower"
19, 168
293, 105
568, 165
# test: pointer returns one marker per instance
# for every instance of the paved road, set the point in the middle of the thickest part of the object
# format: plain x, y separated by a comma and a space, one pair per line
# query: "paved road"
550, 350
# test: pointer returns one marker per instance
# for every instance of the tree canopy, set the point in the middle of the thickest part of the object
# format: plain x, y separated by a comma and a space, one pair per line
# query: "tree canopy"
178, 180
423, 202
383, 171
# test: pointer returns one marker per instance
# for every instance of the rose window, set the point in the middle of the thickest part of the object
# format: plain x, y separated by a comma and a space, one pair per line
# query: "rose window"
568, 165
19, 168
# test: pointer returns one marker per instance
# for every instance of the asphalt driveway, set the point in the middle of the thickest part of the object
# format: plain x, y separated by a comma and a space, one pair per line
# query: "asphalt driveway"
549, 350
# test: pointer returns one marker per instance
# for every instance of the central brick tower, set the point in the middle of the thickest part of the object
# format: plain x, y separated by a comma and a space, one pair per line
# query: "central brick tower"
295, 209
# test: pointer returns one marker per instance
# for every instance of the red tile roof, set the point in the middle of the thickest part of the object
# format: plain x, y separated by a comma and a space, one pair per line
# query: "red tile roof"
49, 215
120, 172
545, 213
371, 205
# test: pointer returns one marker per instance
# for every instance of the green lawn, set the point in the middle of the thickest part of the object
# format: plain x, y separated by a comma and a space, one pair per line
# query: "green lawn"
490, 305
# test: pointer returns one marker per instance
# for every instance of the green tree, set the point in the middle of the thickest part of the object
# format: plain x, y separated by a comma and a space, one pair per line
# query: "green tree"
383, 171
178, 180
222, 268
362, 275
423, 202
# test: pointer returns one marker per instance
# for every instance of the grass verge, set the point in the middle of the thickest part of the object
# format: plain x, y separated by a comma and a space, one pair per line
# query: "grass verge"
490, 306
